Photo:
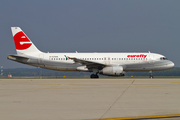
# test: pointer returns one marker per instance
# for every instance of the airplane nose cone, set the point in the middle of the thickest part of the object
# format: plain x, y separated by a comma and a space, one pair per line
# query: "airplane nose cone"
171, 64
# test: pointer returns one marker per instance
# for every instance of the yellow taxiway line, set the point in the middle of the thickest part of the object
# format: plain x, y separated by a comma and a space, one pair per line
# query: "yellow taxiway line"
141, 117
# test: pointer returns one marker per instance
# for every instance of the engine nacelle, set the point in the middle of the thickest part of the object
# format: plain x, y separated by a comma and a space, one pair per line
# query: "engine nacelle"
113, 71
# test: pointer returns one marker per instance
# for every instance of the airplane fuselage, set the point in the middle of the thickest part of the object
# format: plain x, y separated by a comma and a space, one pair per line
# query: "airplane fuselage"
129, 61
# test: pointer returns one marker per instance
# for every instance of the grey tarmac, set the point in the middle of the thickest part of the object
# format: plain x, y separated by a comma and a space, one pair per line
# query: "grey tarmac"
88, 99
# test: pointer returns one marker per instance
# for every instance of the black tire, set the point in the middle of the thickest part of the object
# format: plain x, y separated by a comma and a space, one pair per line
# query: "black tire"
94, 76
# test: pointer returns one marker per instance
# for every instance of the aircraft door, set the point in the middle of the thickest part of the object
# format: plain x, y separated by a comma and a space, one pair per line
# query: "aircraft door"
41, 59
151, 58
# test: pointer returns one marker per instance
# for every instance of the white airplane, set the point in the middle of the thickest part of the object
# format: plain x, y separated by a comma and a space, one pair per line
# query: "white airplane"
111, 64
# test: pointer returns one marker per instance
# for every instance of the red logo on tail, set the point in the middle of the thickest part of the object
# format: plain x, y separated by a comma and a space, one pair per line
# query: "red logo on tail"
21, 41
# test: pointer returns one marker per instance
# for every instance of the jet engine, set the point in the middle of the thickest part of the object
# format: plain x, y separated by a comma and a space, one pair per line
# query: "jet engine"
113, 71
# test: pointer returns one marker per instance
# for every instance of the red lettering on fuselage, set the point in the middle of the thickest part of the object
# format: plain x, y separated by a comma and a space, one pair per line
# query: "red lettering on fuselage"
133, 56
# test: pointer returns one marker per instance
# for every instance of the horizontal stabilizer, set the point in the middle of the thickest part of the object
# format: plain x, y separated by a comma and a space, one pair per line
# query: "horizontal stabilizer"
17, 57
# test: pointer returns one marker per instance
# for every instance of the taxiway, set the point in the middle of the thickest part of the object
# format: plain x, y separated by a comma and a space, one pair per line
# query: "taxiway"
85, 99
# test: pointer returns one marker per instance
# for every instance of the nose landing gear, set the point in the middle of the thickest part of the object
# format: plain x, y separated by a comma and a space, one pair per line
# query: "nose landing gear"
151, 76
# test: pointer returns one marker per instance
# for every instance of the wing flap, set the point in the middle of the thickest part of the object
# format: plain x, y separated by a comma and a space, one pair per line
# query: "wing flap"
89, 64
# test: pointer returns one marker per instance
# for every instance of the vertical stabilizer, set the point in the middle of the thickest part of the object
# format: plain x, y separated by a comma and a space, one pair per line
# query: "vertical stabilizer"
22, 43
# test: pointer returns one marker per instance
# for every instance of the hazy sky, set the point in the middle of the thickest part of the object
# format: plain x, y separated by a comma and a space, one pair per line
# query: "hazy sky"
92, 26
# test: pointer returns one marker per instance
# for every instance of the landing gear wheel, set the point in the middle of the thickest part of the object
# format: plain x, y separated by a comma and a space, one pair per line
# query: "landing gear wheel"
94, 76
151, 77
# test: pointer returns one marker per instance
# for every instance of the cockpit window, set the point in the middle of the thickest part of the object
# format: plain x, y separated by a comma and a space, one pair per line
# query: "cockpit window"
163, 58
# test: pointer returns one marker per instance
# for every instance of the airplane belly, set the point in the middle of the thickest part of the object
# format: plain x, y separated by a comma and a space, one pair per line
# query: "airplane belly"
139, 67
72, 67
60, 66
156, 66
163, 65
55, 65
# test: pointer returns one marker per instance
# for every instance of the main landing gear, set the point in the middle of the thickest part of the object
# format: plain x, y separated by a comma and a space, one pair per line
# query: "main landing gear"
94, 76
151, 76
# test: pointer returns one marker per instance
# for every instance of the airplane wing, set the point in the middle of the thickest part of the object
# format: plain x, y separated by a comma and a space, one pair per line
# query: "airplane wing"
89, 64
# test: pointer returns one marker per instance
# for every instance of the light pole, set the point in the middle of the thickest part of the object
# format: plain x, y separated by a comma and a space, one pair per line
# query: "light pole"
1, 70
